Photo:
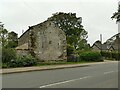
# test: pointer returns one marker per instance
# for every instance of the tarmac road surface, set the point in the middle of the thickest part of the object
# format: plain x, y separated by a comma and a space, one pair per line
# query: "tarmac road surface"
104, 75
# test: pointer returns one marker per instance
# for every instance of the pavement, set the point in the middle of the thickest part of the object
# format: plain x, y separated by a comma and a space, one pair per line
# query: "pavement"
48, 67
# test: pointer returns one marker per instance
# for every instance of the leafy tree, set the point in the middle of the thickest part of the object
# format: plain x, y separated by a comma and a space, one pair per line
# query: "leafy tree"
83, 45
70, 49
116, 15
12, 39
71, 25
3, 35
8, 39
8, 54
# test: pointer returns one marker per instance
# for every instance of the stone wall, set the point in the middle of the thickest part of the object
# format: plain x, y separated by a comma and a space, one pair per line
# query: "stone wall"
23, 52
50, 42
45, 41
24, 38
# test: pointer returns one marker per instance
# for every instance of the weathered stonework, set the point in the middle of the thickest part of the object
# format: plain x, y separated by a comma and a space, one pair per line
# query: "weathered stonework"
45, 41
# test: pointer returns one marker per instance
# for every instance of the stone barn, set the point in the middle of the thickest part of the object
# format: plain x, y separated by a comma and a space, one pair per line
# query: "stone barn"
45, 41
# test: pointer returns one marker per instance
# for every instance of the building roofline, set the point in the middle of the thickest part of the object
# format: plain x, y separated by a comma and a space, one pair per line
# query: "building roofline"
33, 26
95, 45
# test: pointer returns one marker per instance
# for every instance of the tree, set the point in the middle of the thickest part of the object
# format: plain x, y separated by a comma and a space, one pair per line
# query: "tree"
70, 49
116, 15
12, 39
3, 35
83, 45
71, 25
8, 39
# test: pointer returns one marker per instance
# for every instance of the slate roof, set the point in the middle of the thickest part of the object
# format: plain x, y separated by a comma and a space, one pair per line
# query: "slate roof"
104, 46
116, 47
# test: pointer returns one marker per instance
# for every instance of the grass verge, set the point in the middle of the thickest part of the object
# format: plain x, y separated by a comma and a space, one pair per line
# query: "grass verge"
60, 63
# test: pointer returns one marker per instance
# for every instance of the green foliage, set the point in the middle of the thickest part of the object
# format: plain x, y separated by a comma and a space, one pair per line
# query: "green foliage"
12, 40
3, 36
5, 65
106, 55
71, 25
72, 58
12, 44
116, 15
51, 63
8, 39
90, 56
83, 45
21, 61
33, 40
111, 55
70, 49
8, 54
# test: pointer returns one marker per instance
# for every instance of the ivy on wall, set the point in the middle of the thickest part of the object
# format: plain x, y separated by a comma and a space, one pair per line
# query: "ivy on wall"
32, 42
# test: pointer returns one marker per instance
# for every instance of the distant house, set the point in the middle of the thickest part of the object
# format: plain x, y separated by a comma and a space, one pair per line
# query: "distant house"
114, 48
113, 45
45, 41
100, 47
96, 47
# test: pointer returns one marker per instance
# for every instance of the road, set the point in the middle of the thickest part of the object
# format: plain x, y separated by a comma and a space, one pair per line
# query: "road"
103, 75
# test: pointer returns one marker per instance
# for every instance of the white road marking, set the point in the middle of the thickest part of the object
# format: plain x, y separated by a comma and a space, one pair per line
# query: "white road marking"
64, 82
108, 72
73, 80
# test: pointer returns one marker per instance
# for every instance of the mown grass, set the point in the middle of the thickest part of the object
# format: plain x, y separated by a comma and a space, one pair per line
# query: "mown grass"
60, 63
52, 63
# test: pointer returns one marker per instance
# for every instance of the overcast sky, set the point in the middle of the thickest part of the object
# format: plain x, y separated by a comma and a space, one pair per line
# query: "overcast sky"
17, 15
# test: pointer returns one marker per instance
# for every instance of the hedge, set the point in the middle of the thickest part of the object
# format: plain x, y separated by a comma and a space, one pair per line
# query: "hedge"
72, 58
90, 56
20, 61
23, 61
111, 55
8, 54
87, 56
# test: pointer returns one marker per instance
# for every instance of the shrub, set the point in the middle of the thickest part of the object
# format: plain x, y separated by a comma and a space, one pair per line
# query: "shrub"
70, 49
116, 55
90, 56
21, 61
5, 65
111, 55
29, 61
8, 54
106, 55
72, 58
